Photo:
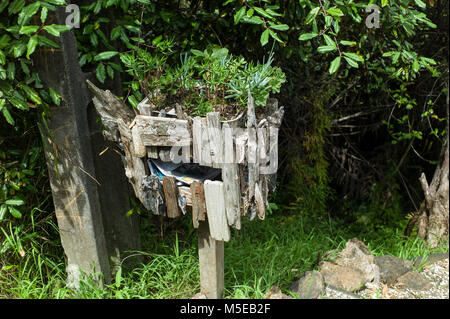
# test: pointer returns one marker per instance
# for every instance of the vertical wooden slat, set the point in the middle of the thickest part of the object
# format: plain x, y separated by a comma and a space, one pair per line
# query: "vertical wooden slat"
139, 148
171, 196
252, 149
215, 138
197, 139
230, 179
198, 203
206, 150
215, 210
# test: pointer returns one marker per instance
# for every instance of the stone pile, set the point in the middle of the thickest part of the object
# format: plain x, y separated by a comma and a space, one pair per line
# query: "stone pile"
345, 273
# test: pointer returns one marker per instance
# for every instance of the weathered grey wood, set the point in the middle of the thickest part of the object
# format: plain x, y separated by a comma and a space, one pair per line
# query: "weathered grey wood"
144, 107
110, 108
171, 196
197, 140
164, 154
252, 149
264, 160
152, 152
153, 195
211, 262
240, 138
215, 210
198, 203
215, 138
163, 131
139, 148
230, 179
205, 159
259, 200
186, 192
181, 115
243, 184
134, 166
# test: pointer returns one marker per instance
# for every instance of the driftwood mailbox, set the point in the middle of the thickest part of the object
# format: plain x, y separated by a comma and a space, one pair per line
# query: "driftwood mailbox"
218, 171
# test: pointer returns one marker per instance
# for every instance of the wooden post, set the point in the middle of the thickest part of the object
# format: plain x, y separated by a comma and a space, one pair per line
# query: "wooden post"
211, 260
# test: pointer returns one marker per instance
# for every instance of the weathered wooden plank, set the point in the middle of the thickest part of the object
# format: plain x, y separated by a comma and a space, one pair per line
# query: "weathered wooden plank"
197, 139
110, 108
260, 207
240, 138
152, 152
164, 154
198, 203
215, 138
186, 192
264, 161
163, 131
215, 210
171, 195
134, 166
211, 262
139, 148
252, 148
230, 179
153, 195
144, 107
205, 159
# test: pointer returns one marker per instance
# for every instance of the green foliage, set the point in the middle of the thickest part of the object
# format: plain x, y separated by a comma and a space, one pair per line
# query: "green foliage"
212, 77
309, 185
22, 30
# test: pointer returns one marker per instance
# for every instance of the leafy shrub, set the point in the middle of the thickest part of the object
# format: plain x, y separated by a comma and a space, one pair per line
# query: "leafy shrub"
205, 80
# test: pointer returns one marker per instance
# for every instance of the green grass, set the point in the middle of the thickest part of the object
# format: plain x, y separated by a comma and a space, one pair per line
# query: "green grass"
262, 254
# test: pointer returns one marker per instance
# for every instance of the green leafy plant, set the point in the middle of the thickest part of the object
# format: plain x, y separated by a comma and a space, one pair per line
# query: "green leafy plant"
205, 80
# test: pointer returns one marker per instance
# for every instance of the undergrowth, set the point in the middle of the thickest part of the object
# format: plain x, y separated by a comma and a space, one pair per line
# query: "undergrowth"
262, 254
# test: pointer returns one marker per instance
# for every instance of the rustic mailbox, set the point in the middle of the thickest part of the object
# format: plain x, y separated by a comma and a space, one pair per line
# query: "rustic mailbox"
237, 160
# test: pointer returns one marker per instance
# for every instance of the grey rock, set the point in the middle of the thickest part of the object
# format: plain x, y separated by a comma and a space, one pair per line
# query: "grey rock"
356, 255
342, 277
428, 260
414, 280
276, 293
392, 267
310, 286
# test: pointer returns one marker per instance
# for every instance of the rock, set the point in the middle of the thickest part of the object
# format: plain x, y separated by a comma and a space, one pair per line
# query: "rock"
199, 295
414, 280
275, 293
430, 259
342, 277
356, 255
310, 286
392, 267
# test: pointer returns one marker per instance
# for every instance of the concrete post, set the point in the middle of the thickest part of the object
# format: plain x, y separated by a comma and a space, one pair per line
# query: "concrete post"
92, 224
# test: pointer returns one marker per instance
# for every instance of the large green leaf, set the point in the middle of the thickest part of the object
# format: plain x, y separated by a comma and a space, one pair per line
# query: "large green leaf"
334, 65
14, 202
105, 55
28, 12
31, 46
238, 16
307, 36
312, 15
264, 37
100, 72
